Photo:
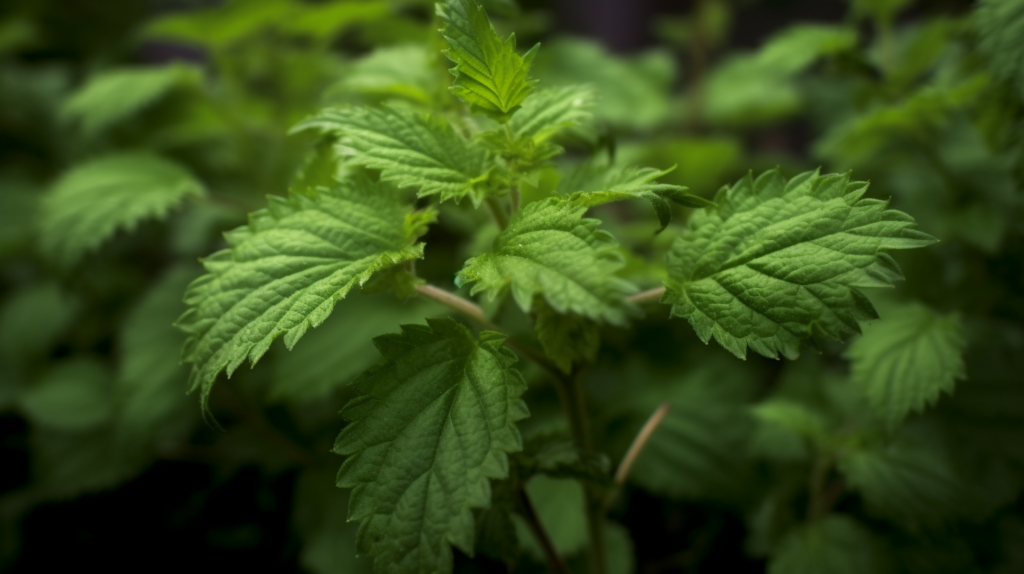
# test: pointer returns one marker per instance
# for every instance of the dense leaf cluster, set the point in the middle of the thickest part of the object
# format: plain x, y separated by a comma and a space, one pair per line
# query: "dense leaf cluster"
534, 346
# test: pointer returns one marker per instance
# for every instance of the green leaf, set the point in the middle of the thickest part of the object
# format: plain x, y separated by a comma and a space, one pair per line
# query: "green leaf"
95, 199
19, 203
411, 150
114, 96
548, 112
489, 75
285, 270
778, 262
566, 338
693, 453
32, 320
634, 93
435, 421
74, 396
403, 71
339, 349
559, 505
910, 479
150, 381
905, 363
599, 184
1000, 26
550, 250
786, 429
833, 545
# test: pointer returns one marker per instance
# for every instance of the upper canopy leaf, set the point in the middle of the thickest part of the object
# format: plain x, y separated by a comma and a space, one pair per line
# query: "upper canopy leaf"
285, 270
489, 75
778, 262
93, 200
436, 419
904, 364
411, 150
550, 250
601, 184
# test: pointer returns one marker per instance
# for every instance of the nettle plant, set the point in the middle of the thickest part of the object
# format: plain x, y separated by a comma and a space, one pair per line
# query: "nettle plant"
770, 264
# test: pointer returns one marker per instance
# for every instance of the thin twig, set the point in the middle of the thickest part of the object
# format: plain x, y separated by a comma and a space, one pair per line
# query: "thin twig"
555, 562
639, 442
648, 296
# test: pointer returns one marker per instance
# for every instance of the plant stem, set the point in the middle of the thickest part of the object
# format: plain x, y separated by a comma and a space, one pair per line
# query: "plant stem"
555, 562
639, 442
648, 296
498, 212
473, 311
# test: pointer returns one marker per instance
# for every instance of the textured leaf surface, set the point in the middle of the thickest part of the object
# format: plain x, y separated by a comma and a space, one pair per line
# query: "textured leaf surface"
601, 184
411, 150
550, 111
116, 95
435, 421
907, 361
95, 199
910, 479
489, 75
550, 250
834, 545
778, 262
287, 267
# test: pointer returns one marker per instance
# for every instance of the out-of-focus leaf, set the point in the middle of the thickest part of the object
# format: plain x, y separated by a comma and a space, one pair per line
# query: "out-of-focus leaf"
833, 545
73, 396
633, 92
906, 361
95, 199
19, 201
559, 506
342, 347
392, 72
116, 95
33, 319
1000, 26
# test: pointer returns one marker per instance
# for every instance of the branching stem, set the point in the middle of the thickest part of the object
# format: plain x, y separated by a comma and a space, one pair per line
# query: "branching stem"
648, 296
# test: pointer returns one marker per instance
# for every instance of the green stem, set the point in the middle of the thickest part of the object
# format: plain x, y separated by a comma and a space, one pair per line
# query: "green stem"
498, 212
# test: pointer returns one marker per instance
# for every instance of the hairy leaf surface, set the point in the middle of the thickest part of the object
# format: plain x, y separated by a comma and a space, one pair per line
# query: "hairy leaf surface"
95, 199
435, 421
287, 267
778, 262
550, 250
411, 150
907, 361
489, 75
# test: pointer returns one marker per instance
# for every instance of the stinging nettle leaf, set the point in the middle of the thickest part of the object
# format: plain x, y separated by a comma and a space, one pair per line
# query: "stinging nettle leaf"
597, 185
905, 363
284, 271
566, 338
549, 111
550, 250
779, 262
489, 75
435, 421
411, 150
95, 199
835, 544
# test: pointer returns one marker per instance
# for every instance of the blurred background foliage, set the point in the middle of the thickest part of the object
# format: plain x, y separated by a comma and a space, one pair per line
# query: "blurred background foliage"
761, 466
